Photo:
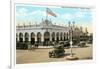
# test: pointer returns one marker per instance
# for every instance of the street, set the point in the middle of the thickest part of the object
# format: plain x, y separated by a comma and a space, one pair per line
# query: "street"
41, 55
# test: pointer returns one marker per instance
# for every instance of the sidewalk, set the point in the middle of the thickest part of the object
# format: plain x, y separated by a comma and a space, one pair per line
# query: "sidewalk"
45, 47
48, 47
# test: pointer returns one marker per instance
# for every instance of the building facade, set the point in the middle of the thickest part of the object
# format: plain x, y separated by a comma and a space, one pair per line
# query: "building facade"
46, 33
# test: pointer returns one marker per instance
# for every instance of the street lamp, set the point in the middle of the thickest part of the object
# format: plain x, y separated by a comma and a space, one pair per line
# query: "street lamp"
71, 56
71, 42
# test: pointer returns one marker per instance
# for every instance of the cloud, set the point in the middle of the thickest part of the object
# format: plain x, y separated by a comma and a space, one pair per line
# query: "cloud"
83, 13
79, 14
75, 15
38, 12
22, 12
25, 14
67, 16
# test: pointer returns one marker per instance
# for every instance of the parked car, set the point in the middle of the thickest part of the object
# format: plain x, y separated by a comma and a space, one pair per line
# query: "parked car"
57, 51
82, 44
65, 43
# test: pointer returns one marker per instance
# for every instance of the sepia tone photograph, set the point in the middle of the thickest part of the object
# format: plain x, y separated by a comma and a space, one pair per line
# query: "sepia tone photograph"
53, 33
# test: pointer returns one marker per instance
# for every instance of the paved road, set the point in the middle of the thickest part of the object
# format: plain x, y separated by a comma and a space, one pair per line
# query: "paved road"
41, 55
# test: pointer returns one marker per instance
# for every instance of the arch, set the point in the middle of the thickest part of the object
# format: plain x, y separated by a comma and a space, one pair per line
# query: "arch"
64, 36
57, 36
26, 37
61, 35
67, 35
16, 37
39, 35
46, 38
20, 37
53, 36
32, 38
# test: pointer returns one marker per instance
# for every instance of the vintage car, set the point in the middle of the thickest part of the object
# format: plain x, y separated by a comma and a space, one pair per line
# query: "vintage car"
65, 43
82, 44
57, 51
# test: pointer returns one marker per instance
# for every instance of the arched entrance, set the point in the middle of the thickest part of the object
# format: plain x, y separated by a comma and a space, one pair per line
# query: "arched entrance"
32, 38
57, 36
46, 38
67, 36
16, 37
61, 36
39, 38
53, 36
26, 37
64, 36
20, 37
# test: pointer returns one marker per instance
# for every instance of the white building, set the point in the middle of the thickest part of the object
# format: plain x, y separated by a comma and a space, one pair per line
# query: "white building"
44, 33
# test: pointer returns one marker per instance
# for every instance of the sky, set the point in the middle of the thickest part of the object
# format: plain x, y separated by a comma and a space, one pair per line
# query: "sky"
32, 13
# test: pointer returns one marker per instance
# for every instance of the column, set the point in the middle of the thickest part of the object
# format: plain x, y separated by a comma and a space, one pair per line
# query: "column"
23, 38
59, 37
42, 39
29, 38
68, 35
35, 38
55, 37
50, 37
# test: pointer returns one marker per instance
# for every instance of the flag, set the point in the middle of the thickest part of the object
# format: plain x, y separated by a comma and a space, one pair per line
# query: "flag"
48, 11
